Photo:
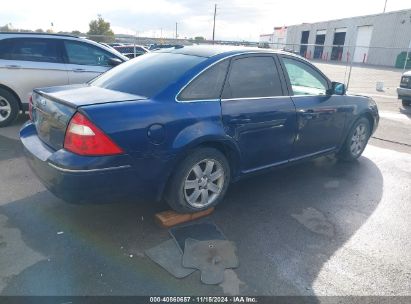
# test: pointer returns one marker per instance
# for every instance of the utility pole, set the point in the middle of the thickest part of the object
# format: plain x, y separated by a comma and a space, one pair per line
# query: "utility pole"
385, 5
215, 12
176, 31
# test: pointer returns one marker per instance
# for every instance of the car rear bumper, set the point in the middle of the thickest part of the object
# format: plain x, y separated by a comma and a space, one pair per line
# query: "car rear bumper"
404, 93
103, 180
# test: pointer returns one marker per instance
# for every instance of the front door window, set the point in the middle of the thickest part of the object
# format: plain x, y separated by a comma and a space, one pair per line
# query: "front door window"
304, 79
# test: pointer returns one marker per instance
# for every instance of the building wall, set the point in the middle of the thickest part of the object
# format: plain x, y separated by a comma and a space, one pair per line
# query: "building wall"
277, 39
266, 38
390, 30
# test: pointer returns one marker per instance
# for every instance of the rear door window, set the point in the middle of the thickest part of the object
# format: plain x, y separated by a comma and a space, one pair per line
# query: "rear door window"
31, 49
208, 85
86, 54
255, 76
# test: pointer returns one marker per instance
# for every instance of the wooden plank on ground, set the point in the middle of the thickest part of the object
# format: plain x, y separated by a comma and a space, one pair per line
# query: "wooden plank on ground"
170, 218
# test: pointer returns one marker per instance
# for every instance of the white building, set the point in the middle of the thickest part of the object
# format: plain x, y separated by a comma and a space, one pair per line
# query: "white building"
374, 39
277, 39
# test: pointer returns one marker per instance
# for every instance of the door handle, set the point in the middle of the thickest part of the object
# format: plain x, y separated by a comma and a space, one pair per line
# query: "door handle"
13, 66
308, 114
240, 120
79, 70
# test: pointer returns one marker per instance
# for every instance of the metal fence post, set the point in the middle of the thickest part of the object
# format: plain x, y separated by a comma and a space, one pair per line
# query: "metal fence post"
135, 41
406, 57
349, 72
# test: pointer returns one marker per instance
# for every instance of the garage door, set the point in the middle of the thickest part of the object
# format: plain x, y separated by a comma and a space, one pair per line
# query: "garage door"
364, 34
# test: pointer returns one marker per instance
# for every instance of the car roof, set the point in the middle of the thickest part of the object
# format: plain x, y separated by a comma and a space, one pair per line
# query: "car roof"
30, 34
128, 46
5, 35
213, 50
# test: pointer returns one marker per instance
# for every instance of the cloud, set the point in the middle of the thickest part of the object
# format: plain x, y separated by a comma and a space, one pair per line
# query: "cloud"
236, 19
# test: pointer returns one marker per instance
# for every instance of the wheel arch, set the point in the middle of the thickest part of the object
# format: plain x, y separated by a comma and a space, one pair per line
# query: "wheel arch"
229, 150
366, 115
223, 145
11, 91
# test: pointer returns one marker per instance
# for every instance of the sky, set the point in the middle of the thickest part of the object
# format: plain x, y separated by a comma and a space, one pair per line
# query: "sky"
236, 19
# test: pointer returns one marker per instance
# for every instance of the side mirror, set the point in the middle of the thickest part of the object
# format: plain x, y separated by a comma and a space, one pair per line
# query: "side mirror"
114, 62
338, 88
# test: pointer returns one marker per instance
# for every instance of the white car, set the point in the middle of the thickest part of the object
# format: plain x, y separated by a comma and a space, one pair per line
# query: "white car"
31, 60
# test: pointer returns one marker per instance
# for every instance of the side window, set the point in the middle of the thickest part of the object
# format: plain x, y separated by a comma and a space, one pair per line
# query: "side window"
253, 77
208, 85
30, 49
5, 48
85, 54
304, 79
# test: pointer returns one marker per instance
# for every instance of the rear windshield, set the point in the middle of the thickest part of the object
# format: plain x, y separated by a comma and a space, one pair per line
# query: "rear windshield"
147, 75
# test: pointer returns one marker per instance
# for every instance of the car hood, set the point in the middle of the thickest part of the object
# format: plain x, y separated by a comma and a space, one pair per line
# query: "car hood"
85, 94
408, 73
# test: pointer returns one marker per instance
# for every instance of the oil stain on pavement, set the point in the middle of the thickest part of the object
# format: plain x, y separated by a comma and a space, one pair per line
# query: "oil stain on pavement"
16, 255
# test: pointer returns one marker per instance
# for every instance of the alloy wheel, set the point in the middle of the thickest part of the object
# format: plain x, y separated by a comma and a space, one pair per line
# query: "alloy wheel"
5, 109
358, 140
204, 182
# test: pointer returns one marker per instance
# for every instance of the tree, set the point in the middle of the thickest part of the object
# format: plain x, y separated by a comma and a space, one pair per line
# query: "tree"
39, 30
76, 33
199, 39
100, 30
5, 28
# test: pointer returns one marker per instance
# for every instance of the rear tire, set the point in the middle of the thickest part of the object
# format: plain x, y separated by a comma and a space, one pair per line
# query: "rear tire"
9, 108
406, 103
199, 182
356, 140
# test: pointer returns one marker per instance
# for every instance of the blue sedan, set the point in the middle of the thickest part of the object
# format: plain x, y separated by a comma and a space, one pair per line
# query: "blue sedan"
182, 124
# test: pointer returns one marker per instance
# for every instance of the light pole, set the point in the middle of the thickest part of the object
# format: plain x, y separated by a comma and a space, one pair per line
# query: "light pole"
385, 5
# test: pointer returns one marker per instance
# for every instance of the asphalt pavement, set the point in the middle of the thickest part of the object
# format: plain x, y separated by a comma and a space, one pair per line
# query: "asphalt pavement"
317, 228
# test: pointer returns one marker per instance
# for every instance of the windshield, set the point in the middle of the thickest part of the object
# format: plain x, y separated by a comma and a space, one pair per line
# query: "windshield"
147, 75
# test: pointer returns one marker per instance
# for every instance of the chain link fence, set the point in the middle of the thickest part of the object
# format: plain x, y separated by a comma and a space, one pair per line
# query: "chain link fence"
364, 69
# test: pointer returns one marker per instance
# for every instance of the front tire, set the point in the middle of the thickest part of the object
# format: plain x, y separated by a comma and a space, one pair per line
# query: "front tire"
9, 108
406, 103
356, 140
199, 182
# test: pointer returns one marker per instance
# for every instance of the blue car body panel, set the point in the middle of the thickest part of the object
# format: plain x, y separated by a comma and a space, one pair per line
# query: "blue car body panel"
157, 132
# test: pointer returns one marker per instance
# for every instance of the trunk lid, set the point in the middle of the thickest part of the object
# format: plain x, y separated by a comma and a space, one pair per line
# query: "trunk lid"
53, 108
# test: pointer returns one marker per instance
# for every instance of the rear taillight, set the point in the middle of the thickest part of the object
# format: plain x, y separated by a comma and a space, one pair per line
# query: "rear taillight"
84, 138
31, 107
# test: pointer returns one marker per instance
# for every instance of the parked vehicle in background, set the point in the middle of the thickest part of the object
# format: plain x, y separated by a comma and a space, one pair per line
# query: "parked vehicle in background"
131, 51
404, 90
106, 45
115, 44
181, 124
154, 47
263, 45
31, 60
